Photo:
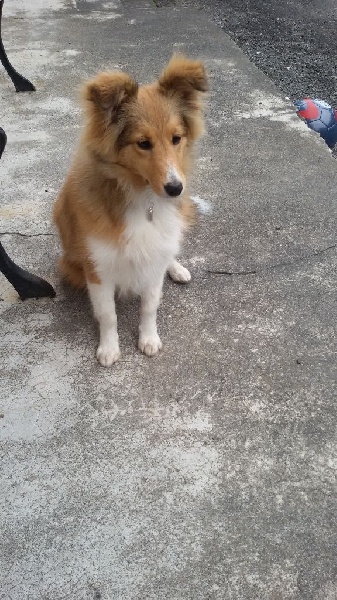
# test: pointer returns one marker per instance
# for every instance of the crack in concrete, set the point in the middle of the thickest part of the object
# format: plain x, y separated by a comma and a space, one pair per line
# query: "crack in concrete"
211, 271
25, 234
275, 266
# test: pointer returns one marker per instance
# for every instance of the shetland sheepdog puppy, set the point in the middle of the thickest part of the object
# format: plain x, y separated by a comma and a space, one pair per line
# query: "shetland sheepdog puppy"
124, 206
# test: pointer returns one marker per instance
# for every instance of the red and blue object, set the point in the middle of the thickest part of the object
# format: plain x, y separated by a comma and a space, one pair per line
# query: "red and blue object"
320, 117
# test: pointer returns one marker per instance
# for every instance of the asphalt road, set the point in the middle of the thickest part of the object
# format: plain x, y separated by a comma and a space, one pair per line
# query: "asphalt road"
294, 42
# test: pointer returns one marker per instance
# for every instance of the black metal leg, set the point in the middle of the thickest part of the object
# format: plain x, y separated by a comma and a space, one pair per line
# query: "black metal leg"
3, 141
26, 284
21, 83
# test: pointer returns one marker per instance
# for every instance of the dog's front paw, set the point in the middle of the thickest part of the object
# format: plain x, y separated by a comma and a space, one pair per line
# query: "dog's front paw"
150, 344
107, 355
178, 273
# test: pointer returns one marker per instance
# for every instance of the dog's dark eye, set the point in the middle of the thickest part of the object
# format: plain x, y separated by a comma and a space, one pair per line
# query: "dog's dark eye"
145, 144
176, 140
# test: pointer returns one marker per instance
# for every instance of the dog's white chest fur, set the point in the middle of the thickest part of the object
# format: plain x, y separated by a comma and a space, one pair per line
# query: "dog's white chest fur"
147, 246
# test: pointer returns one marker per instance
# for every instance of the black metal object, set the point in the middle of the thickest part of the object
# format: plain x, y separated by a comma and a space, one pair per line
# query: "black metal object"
21, 83
26, 284
3, 141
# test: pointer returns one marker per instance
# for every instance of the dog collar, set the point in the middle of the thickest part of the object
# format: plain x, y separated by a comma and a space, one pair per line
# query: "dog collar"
149, 213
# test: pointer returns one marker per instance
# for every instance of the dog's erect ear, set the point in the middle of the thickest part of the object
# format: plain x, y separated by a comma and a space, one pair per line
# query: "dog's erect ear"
185, 80
184, 77
110, 91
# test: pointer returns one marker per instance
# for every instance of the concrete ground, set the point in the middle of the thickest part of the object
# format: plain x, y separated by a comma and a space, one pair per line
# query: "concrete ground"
294, 42
210, 471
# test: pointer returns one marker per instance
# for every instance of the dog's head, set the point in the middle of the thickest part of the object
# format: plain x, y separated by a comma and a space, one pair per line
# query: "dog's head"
147, 131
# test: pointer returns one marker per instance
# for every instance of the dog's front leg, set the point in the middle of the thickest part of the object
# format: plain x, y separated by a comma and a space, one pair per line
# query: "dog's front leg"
149, 340
103, 302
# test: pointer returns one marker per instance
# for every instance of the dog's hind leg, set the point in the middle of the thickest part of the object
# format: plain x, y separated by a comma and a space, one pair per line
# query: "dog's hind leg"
178, 273
72, 272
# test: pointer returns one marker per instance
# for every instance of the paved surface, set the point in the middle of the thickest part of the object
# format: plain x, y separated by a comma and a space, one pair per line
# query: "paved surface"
293, 42
209, 472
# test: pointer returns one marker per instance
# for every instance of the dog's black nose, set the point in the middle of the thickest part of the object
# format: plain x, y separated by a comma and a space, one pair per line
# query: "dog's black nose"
173, 189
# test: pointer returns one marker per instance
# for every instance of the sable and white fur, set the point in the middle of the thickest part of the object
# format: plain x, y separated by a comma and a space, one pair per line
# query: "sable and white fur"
123, 207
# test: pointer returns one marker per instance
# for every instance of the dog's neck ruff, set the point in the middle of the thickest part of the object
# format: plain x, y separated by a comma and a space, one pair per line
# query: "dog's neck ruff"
108, 164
